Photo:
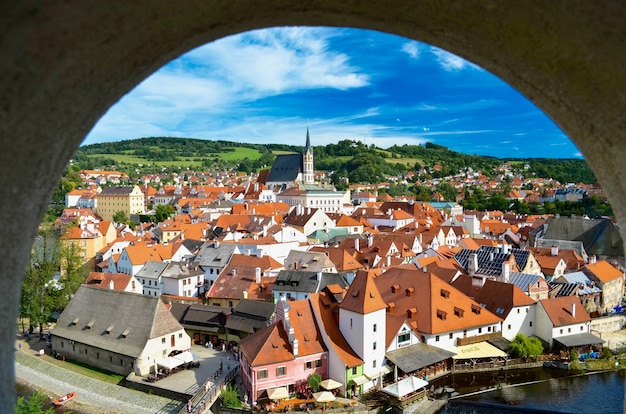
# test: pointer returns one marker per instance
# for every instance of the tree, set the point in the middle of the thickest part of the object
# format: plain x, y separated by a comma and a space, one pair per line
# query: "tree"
524, 346
32, 405
163, 212
54, 273
120, 217
230, 396
314, 381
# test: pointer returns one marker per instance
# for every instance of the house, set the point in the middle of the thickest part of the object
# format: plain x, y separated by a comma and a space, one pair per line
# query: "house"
610, 279
563, 323
213, 258
203, 323
248, 317
299, 284
183, 279
89, 237
285, 353
505, 300
344, 365
534, 286
308, 220
237, 283
134, 256
493, 262
309, 261
150, 277
115, 281
113, 199
580, 285
117, 331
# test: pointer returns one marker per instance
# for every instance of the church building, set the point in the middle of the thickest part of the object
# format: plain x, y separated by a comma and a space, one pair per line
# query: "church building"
290, 170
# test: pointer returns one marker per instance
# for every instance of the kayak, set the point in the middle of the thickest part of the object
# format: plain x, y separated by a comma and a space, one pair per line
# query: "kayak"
62, 400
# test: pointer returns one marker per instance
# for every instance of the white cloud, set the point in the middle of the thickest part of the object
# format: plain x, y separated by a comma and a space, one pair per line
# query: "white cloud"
448, 61
412, 49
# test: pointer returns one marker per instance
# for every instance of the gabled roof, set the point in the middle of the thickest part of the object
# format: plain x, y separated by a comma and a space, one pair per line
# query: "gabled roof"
324, 307
267, 346
603, 271
435, 305
151, 270
523, 280
212, 255
599, 236
103, 280
310, 261
305, 328
363, 296
497, 297
130, 319
490, 259
285, 168
559, 310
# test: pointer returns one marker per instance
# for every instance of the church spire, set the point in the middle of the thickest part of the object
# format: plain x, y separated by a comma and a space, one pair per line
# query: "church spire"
308, 176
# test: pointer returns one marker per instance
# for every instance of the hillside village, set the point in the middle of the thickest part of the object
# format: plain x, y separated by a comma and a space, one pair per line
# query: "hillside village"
300, 278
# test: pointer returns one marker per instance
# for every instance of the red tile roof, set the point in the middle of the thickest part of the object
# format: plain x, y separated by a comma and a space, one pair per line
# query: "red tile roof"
559, 310
363, 297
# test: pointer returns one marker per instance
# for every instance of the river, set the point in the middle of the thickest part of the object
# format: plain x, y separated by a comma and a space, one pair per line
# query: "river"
542, 389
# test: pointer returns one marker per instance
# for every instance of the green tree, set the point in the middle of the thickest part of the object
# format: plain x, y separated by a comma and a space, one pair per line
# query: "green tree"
314, 381
230, 396
524, 346
120, 217
163, 212
32, 405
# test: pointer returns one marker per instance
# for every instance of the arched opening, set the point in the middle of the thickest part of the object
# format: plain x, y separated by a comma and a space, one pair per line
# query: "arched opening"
65, 64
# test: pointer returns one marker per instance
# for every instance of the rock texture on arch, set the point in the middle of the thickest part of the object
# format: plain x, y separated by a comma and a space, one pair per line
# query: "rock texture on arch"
64, 64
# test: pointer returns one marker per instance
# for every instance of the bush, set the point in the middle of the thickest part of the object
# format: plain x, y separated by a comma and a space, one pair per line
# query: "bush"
230, 396
314, 381
34, 405
524, 346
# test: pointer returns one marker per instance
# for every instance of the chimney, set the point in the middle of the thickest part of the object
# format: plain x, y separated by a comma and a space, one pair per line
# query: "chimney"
573, 310
554, 251
318, 276
592, 259
257, 275
472, 264
259, 253
388, 261
294, 345
244, 294
370, 241
111, 285
506, 272
356, 244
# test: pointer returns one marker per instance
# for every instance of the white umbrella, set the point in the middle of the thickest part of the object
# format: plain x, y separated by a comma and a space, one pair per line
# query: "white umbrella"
323, 397
330, 384
279, 393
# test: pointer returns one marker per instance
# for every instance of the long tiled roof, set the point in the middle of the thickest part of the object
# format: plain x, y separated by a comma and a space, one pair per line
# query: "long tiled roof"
522, 280
130, 318
304, 281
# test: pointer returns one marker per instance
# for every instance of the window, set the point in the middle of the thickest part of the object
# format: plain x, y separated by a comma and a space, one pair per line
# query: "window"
480, 330
437, 338
180, 335
162, 340
374, 364
581, 328
281, 371
97, 355
318, 363
354, 371
374, 346
531, 323
374, 327
308, 365
404, 337
517, 310
509, 327
451, 335
569, 330
350, 323
560, 331
261, 374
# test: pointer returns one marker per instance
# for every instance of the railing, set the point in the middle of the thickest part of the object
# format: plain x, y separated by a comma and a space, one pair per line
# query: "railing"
208, 393
478, 338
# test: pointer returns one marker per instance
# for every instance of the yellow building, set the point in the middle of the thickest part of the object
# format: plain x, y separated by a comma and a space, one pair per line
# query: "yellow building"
90, 237
130, 200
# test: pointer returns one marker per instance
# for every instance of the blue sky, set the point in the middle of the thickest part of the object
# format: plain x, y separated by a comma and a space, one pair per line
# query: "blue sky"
266, 86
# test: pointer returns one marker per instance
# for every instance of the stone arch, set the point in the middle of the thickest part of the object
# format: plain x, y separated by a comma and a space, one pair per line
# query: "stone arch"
64, 64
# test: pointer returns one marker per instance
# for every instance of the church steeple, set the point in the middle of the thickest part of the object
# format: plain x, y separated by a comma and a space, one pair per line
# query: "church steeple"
308, 176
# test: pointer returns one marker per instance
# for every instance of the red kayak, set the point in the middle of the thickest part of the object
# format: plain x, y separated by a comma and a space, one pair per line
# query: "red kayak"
62, 400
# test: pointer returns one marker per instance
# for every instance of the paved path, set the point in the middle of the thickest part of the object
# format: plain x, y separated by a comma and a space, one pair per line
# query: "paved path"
93, 396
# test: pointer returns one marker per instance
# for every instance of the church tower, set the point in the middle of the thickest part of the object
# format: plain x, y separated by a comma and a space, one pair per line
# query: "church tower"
307, 161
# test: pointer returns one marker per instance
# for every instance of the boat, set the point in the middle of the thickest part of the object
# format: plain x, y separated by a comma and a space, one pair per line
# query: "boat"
65, 398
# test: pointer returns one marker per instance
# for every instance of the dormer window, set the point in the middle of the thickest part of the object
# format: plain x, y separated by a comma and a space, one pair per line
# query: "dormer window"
409, 291
443, 315
458, 312
476, 309
445, 293
75, 321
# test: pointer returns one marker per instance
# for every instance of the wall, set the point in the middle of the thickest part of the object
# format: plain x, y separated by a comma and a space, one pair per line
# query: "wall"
65, 63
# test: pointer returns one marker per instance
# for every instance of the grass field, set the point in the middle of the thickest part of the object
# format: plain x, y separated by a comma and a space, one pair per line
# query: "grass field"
240, 153
406, 161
